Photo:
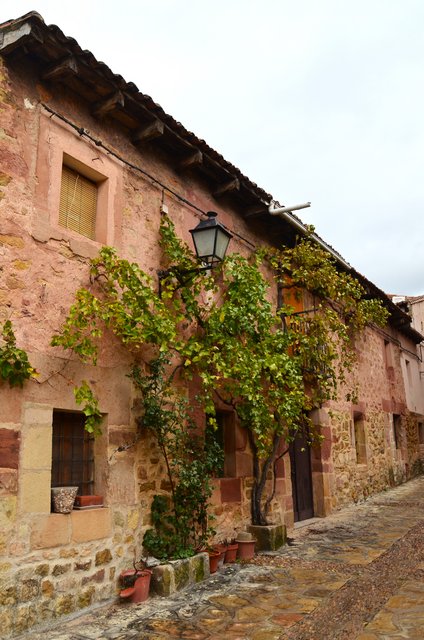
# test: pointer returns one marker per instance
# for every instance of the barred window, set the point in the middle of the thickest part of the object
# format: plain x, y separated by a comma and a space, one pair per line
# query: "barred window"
73, 452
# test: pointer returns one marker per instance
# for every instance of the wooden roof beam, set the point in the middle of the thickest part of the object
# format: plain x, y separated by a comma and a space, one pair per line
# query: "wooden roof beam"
149, 132
227, 187
193, 160
108, 104
65, 68
254, 210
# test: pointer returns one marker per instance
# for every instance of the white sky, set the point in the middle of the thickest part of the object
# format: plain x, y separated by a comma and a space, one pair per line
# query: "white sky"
319, 100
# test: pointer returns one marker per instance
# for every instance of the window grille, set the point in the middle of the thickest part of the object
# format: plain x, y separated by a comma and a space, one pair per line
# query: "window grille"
73, 453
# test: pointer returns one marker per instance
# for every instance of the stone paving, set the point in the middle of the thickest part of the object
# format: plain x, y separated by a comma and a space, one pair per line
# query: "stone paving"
357, 574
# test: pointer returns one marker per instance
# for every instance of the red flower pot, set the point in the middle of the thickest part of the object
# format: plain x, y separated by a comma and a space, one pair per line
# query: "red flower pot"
246, 549
139, 591
214, 557
231, 553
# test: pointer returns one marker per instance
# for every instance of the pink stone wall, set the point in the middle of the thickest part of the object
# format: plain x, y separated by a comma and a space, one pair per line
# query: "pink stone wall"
75, 559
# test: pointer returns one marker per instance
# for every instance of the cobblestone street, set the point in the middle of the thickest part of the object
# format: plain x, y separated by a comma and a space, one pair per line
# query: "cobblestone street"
357, 574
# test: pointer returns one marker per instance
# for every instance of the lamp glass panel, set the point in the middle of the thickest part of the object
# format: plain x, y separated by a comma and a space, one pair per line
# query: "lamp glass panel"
222, 240
204, 241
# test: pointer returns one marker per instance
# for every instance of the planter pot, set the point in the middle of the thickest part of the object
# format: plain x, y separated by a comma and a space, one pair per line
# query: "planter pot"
231, 553
88, 502
246, 549
63, 499
221, 549
214, 557
139, 591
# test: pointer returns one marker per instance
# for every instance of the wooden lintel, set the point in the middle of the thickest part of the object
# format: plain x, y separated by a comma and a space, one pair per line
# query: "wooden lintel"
148, 132
193, 160
105, 106
62, 69
254, 210
227, 187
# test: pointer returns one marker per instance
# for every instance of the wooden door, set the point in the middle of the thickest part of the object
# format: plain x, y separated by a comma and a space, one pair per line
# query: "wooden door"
301, 478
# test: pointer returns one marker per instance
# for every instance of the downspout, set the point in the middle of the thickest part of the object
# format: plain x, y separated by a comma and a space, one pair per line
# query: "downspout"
285, 213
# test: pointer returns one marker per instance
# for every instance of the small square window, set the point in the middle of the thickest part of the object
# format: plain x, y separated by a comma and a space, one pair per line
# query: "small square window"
73, 452
78, 203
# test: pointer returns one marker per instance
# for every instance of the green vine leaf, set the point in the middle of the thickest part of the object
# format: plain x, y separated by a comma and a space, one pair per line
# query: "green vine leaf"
93, 417
15, 367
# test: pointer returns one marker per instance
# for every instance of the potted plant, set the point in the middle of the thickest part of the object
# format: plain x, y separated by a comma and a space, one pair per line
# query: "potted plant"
63, 499
231, 551
136, 582
214, 558
246, 545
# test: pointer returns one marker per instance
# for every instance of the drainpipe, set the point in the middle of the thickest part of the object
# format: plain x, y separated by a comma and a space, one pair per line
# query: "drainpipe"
285, 213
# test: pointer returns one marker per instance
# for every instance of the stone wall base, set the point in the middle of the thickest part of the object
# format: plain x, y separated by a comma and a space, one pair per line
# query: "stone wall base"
179, 574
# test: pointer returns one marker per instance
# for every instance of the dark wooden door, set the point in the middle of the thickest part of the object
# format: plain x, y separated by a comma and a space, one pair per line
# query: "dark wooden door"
301, 478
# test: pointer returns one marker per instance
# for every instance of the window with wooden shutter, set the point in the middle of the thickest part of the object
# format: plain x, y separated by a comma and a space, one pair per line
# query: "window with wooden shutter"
78, 203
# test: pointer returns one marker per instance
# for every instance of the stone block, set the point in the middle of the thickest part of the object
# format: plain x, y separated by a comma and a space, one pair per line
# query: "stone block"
181, 573
53, 530
9, 448
60, 569
199, 567
268, 537
37, 414
8, 595
35, 491
230, 489
103, 557
29, 590
163, 582
92, 524
8, 481
7, 511
37, 448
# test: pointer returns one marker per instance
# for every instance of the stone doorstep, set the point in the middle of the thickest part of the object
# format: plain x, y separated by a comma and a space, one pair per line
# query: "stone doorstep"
179, 574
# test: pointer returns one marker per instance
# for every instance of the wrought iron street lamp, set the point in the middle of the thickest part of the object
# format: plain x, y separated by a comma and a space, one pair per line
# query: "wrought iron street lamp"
210, 239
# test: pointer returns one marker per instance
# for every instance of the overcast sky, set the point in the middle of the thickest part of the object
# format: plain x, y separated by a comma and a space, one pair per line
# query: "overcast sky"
314, 100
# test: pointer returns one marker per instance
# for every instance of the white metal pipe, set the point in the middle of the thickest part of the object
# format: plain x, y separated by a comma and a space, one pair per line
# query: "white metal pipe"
285, 213
275, 211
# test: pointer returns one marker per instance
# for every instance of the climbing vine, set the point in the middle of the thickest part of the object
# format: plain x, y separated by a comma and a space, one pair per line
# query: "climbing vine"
271, 365
15, 367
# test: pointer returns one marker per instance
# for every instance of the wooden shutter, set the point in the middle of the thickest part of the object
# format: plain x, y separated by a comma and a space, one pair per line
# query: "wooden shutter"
78, 203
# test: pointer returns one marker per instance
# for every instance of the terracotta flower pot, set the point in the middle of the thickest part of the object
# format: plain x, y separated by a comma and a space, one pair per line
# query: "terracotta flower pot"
221, 549
231, 553
88, 502
214, 557
139, 591
246, 549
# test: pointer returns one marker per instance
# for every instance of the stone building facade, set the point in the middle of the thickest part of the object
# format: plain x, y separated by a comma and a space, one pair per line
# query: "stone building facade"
60, 109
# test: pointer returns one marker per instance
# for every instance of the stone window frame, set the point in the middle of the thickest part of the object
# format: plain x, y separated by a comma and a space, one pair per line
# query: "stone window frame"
36, 458
59, 145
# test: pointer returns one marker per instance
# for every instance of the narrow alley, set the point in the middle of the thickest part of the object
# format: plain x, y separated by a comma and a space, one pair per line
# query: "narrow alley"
357, 574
